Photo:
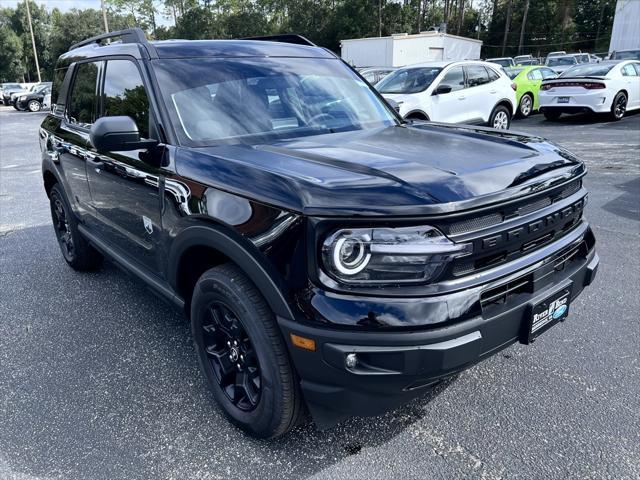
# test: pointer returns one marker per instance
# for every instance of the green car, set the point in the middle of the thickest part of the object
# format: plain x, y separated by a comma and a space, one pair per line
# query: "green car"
528, 80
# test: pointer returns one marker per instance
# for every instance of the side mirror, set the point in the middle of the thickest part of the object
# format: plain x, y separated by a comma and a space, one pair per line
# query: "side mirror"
114, 134
442, 89
393, 104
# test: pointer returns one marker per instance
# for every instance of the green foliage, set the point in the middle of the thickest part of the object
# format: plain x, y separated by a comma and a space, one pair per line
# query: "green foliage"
550, 25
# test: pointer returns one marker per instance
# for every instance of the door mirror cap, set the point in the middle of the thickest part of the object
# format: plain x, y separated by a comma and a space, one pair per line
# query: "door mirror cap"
441, 89
116, 134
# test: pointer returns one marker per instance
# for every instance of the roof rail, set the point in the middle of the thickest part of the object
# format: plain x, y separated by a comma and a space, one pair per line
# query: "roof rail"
129, 35
284, 38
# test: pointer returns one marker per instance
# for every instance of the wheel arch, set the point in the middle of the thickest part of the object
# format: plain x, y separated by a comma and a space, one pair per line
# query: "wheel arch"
505, 102
417, 114
50, 180
201, 247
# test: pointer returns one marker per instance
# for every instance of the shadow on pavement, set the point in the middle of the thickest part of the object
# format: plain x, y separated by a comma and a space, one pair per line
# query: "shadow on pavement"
99, 380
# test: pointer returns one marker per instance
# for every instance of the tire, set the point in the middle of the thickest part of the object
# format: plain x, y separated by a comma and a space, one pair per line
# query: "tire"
500, 118
418, 117
525, 108
618, 107
34, 106
74, 247
238, 341
552, 114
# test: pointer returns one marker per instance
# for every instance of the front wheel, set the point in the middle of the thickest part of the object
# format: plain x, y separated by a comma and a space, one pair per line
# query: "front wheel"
500, 118
34, 106
242, 354
526, 105
618, 107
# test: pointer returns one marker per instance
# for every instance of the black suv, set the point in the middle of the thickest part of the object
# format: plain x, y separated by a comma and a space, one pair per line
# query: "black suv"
331, 258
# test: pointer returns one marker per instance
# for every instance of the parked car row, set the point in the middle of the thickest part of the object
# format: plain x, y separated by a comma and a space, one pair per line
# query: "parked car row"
25, 97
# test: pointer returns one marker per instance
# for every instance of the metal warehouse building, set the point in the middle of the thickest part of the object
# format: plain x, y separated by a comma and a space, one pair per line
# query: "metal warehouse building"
403, 49
626, 26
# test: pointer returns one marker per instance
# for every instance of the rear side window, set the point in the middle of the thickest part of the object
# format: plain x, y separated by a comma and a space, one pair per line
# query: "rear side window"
58, 78
476, 75
454, 78
82, 101
493, 75
535, 74
629, 71
124, 94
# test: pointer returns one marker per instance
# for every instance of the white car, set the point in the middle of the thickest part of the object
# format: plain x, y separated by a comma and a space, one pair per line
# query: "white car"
610, 86
560, 63
452, 92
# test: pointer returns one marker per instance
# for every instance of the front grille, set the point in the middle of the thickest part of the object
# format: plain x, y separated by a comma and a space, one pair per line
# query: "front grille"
515, 230
503, 294
525, 207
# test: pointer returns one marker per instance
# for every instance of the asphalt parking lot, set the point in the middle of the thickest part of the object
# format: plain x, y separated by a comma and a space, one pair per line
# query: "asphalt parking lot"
98, 379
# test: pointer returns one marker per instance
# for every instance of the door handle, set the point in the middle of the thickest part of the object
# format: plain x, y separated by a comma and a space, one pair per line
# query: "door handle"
94, 160
493, 91
461, 97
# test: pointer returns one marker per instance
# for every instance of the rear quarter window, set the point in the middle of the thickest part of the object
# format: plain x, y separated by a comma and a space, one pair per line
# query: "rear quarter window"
58, 79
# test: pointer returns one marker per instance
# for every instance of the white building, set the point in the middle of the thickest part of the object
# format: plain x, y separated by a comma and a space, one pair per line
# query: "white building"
626, 26
403, 49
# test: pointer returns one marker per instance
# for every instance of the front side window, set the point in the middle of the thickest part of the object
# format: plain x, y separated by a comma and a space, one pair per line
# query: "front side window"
124, 94
409, 80
259, 100
454, 78
82, 104
476, 75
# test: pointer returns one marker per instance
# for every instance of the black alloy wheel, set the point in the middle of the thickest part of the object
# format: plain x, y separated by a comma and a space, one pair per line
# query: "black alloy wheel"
619, 106
62, 229
232, 357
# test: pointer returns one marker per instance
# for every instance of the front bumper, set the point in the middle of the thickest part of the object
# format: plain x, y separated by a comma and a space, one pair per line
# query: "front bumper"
394, 365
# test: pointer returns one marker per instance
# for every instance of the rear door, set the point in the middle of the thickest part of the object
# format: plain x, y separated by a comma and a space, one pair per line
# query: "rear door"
71, 135
481, 94
632, 82
450, 107
125, 185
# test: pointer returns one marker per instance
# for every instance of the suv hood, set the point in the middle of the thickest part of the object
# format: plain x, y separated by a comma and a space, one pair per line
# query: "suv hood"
402, 170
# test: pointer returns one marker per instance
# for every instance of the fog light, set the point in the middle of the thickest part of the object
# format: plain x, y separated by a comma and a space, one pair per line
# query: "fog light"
351, 361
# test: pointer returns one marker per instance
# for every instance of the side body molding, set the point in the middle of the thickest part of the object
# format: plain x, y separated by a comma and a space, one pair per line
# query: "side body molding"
238, 250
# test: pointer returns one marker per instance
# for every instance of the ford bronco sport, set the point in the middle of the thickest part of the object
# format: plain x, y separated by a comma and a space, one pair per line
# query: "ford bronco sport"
331, 258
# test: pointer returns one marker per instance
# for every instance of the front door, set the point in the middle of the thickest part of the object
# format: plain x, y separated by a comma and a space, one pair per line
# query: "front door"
450, 107
71, 136
124, 185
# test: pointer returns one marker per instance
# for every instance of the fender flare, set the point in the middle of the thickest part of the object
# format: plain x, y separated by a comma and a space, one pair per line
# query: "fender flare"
239, 251
514, 108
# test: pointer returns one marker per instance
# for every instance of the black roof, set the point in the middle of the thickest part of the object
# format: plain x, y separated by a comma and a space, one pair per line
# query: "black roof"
133, 42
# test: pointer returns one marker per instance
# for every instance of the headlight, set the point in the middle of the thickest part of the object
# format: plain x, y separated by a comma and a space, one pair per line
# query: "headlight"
23, 97
375, 256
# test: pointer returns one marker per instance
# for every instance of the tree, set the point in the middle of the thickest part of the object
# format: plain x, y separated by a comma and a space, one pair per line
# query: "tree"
11, 67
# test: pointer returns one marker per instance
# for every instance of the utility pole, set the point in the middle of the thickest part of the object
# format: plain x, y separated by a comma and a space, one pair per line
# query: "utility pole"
33, 41
104, 17
379, 18
524, 22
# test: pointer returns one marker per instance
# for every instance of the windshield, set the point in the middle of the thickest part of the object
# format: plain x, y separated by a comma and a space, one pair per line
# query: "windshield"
626, 55
258, 100
555, 61
408, 80
594, 70
513, 72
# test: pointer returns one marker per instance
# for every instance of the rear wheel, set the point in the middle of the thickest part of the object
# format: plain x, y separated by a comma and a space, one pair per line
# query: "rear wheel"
500, 118
526, 105
242, 354
74, 247
552, 114
619, 106
34, 106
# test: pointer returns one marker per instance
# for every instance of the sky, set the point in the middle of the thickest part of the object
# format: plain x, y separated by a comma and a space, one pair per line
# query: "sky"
65, 5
